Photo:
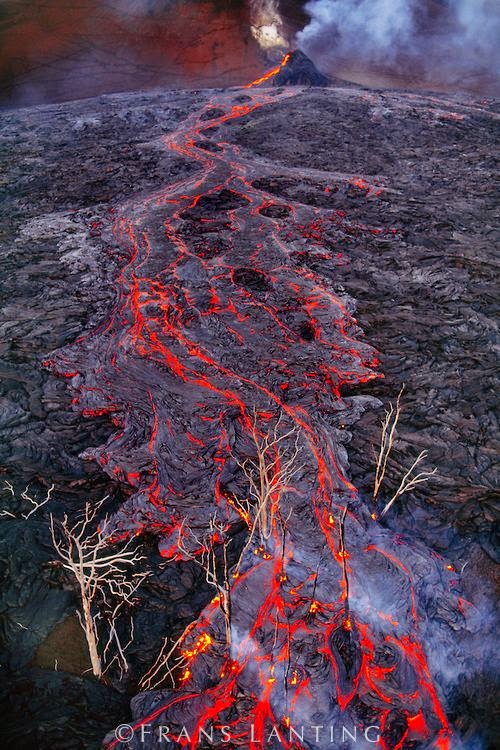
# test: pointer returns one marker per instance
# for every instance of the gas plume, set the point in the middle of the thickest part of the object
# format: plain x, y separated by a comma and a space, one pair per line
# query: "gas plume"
443, 40
266, 24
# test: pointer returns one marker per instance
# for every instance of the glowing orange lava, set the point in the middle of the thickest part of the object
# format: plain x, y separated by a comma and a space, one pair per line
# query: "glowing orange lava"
215, 327
270, 74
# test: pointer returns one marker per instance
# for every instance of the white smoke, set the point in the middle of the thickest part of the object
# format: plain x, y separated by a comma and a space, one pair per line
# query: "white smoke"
266, 24
458, 36
480, 30
375, 26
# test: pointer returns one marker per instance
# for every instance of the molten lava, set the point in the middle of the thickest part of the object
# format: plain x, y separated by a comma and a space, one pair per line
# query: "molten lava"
270, 74
221, 327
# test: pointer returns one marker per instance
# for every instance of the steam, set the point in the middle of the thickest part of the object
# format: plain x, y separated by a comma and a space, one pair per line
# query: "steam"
440, 41
266, 24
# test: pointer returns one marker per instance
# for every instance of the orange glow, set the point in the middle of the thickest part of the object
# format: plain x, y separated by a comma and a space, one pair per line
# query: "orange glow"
244, 514
263, 553
417, 725
201, 645
228, 668
279, 622
270, 74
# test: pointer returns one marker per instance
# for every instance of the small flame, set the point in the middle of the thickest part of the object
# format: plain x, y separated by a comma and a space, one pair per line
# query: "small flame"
201, 645
263, 553
361, 184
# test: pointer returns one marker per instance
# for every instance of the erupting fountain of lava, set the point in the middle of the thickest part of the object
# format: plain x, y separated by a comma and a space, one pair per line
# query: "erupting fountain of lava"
220, 332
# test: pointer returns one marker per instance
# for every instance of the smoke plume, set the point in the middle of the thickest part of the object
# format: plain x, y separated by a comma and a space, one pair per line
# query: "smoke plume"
443, 40
266, 24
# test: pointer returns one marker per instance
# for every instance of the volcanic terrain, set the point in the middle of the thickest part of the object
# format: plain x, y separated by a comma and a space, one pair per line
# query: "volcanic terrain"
189, 271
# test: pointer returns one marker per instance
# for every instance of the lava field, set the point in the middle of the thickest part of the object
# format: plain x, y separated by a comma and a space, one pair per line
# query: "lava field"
182, 276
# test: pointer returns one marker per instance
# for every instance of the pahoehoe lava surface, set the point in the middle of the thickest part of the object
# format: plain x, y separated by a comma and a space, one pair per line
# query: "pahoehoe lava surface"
231, 298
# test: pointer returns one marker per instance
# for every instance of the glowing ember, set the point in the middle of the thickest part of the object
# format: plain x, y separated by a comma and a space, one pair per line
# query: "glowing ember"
201, 645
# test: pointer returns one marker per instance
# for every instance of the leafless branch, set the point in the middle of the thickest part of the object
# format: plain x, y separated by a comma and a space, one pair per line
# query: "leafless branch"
36, 504
162, 666
387, 436
106, 578
409, 480
207, 560
169, 664
269, 474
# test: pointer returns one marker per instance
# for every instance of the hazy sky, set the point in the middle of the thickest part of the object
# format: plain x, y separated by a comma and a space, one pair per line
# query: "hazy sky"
63, 49
53, 50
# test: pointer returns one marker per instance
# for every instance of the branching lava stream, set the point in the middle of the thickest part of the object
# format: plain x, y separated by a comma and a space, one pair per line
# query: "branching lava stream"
219, 321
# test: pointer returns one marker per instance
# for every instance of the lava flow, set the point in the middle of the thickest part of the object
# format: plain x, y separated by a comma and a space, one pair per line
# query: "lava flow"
270, 73
223, 329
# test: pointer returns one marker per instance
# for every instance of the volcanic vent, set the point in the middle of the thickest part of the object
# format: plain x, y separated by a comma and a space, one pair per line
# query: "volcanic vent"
295, 69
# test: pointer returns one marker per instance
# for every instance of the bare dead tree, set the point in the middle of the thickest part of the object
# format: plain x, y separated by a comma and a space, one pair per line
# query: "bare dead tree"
389, 424
410, 480
106, 578
269, 474
168, 665
216, 575
162, 666
33, 501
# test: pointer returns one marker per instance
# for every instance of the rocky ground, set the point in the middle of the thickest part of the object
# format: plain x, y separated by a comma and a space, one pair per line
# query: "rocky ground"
425, 297
406, 185
64, 168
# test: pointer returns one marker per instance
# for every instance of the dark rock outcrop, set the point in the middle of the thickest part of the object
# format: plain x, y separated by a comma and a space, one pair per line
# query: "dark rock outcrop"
299, 70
